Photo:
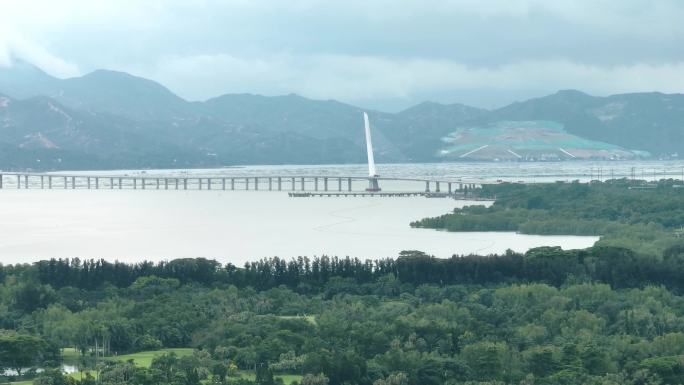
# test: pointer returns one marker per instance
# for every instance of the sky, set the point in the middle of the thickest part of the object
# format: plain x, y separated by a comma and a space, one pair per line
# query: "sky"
382, 54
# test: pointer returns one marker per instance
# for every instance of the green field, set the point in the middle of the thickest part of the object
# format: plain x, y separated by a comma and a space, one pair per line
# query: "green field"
310, 318
290, 378
70, 357
287, 378
144, 359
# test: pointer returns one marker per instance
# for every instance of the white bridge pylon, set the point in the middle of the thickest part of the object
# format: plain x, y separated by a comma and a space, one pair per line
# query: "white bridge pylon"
372, 172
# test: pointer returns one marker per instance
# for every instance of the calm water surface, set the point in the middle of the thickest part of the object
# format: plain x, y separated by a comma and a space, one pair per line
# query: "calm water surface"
233, 226
468, 171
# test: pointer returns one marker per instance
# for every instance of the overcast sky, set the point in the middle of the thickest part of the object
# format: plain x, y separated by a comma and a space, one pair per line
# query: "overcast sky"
385, 54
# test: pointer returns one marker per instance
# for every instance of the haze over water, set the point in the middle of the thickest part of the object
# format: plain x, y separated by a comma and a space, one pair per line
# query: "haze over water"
232, 226
468, 171
239, 226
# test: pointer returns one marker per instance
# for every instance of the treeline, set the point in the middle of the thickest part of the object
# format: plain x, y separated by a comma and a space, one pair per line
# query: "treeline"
615, 266
642, 217
378, 333
262, 274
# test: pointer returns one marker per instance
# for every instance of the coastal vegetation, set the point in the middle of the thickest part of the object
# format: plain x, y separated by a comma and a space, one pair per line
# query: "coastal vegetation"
604, 315
645, 217
609, 314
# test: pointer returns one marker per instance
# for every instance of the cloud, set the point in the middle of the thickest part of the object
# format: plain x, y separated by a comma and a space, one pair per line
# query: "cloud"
359, 50
365, 78
13, 47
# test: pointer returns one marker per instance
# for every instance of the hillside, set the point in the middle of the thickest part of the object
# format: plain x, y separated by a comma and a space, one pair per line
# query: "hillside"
651, 122
535, 140
109, 119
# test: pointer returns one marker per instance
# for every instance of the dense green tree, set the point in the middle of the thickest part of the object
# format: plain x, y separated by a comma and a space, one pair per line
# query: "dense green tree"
19, 351
485, 359
54, 377
317, 379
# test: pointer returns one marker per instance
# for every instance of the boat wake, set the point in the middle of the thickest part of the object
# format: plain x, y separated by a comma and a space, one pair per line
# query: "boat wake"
344, 218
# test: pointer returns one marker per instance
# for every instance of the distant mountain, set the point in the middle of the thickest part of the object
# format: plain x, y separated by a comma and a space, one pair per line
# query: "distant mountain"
534, 140
102, 91
422, 128
651, 122
122, 94
23, 80
48, 135
109, 119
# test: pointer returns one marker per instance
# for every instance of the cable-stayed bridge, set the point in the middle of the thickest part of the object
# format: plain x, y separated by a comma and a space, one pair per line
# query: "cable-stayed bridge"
297, 185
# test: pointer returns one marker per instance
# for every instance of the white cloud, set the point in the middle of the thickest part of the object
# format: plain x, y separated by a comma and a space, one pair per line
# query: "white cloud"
13, 46
357, 50
363, 78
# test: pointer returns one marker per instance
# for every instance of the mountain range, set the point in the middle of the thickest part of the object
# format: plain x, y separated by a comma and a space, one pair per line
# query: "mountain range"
109, 119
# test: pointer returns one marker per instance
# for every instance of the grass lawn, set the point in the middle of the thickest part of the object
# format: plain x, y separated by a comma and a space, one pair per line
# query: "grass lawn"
144, 359
70, 356
77, 375
310, 318
287, 378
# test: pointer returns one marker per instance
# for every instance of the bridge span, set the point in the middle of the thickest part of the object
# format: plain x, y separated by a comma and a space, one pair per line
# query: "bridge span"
292, 183
48, 181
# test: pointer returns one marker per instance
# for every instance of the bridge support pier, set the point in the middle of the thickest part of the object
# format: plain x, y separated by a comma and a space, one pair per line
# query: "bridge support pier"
427, 186
19, 181
50, 182
65, 183
256, 184
88, 183
339, 184
143, 182
449, 185
26, 184
349, 184
199, 183
120, 183
246, 184
315, 184
373, 185
302, 183
437, 187
280, 184
325, 184
223, 184
208, 183
42, 182
111, 183
293, 184
157, 183
73, 182
232, 183
185, 183
166, 183
270, 184
176, 182
0, 180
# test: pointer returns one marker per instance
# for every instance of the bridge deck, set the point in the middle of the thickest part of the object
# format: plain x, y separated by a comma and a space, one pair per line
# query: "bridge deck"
349, 184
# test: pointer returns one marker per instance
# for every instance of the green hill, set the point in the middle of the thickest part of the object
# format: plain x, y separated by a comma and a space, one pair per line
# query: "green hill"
109, 119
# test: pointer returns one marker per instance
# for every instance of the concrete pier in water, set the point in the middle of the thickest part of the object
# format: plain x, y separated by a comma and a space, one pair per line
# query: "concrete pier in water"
295, 183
